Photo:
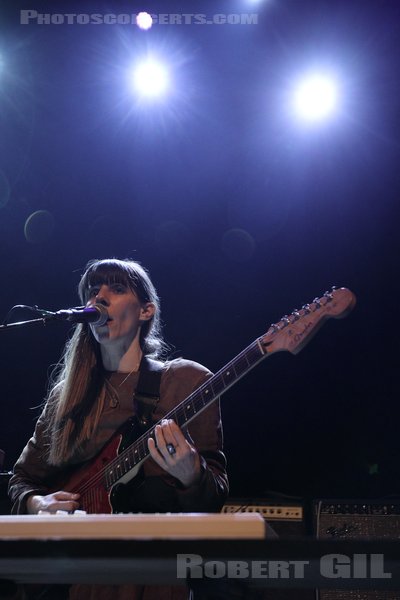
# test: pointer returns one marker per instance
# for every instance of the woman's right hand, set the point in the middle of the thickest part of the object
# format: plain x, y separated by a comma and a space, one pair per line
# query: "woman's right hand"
53, 502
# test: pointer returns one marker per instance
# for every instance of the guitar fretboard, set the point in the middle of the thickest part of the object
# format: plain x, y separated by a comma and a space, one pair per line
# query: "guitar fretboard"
187, 410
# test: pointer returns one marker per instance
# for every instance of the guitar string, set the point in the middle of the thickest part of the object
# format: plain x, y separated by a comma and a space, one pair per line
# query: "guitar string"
179, 410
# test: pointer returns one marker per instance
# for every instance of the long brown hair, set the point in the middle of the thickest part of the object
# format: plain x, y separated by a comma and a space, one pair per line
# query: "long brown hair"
78, 387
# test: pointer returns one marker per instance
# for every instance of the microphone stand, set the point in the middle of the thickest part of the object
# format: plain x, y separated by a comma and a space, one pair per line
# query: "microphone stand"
49, 317
46, 316
79, 314
41, 321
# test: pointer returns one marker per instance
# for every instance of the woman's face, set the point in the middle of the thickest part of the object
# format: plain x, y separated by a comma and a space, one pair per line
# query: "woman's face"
125, 311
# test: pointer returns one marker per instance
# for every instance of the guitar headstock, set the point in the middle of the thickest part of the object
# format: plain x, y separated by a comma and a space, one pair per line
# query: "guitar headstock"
294, 331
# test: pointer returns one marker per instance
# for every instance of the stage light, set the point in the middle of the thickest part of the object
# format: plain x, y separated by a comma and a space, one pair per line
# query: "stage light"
150, 78
144, 20
315, 97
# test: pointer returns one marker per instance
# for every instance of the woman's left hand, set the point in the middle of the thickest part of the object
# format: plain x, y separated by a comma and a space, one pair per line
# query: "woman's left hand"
173, 453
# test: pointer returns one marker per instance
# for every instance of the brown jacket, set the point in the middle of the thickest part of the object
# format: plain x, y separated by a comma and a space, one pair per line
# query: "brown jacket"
159, 492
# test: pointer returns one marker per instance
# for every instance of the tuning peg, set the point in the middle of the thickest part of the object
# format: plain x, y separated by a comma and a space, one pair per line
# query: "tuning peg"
306, 308
317, 302
296, 314
329, 296
286, 320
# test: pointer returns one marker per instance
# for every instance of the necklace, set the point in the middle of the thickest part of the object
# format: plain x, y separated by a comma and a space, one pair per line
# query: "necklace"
125, 378
129, 374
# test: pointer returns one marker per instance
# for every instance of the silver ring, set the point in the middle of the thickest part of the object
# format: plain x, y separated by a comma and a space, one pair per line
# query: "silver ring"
171, 449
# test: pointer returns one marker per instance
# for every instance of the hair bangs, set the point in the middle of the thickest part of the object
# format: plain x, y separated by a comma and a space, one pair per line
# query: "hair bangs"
105, 272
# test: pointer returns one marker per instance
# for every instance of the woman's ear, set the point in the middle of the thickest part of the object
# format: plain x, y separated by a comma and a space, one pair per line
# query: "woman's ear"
147, 311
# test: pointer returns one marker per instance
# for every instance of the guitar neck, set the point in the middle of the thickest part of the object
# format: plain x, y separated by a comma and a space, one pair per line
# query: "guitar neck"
216, 385
189, 408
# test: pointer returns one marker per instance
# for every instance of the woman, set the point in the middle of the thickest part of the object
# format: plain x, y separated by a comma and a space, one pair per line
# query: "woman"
93, 393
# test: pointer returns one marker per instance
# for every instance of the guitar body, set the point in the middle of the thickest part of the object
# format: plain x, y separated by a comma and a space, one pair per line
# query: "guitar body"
91, 482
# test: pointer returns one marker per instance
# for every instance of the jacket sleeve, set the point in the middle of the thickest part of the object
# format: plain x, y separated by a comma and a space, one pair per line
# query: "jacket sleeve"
32, 473
209, 494
162, 492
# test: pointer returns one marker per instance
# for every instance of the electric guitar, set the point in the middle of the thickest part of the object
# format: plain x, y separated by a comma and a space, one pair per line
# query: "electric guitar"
119, 461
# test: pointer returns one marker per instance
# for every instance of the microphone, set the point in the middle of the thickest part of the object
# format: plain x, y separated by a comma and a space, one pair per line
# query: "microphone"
96, 314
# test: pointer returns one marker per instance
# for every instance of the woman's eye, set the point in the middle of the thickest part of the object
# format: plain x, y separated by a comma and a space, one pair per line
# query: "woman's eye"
119, 289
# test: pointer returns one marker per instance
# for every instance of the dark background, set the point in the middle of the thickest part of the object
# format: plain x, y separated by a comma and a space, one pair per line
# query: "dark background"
169, 183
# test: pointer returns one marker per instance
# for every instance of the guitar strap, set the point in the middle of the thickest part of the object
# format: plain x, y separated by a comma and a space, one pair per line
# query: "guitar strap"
147, 393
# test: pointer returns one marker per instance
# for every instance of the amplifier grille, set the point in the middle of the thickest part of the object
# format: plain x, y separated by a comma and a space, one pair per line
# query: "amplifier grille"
362, 519
358, 520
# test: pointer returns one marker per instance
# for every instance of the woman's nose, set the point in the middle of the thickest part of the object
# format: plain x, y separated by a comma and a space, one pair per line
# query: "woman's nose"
102, 297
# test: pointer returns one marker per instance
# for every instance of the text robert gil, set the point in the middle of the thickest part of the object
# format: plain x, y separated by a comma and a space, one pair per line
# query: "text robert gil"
331, 566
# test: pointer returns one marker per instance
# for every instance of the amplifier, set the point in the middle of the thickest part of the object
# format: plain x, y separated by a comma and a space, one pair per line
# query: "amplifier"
286, 519
357, 519
341, 519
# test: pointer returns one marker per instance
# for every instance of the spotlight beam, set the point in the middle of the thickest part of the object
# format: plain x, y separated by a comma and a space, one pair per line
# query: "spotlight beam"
150, 78
315, 97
